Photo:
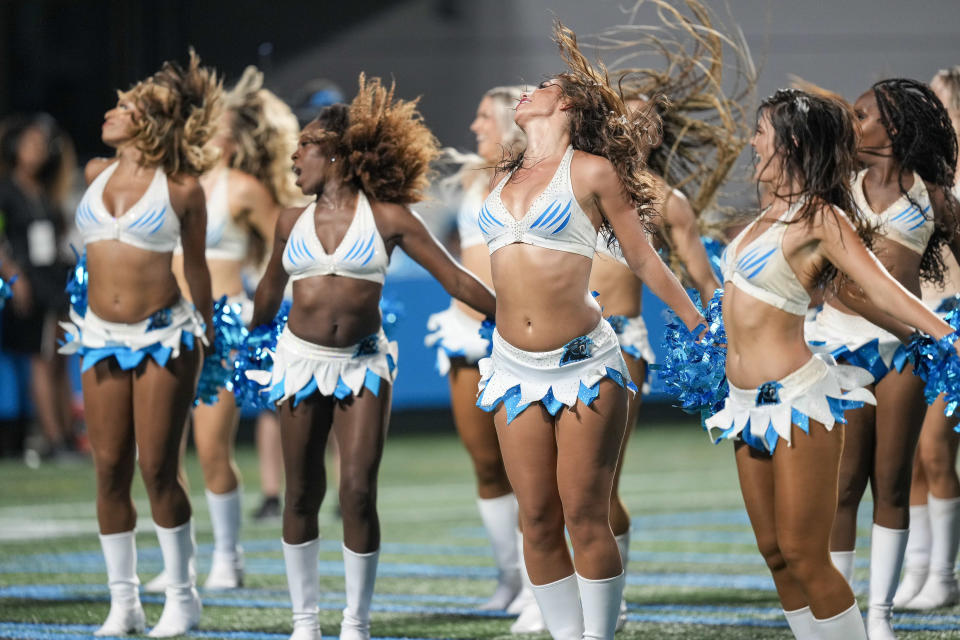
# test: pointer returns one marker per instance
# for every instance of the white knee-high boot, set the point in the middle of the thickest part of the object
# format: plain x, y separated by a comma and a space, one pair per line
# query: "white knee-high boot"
120, 556
623, 546
226, 570
916, 559
360, 573
940, 589
843, 561
887, 547
303, 580
600, 600
847, 625
181, 606
530, 619
560, 605
499, 517
802, 623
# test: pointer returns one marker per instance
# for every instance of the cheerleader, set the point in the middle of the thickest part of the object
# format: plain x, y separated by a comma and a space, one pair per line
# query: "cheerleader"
784, 404
138, 338
245, 190
333, 367
698, 150
556, 381
929, 578
910, 151
455, 334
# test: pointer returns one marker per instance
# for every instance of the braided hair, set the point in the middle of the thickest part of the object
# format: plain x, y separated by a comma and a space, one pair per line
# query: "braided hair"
922, 140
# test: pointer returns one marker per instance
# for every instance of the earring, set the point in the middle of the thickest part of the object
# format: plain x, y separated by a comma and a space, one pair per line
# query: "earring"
333, 159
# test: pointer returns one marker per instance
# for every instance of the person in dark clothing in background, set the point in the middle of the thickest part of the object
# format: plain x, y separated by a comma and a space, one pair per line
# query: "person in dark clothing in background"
36, 168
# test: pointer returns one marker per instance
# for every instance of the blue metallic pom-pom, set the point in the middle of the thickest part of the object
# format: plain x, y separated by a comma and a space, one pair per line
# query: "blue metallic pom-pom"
5, 291
77, 284
229, 334
254, 355
937, 364
694, 370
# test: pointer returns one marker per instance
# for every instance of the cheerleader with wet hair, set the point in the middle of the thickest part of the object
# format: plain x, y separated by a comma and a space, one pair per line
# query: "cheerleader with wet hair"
333, 368
910, 151
929, 578
455, 334
139, 340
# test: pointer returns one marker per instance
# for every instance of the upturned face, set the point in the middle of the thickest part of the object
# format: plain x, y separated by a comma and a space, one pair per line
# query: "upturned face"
768, 165
542, 102
118, 123
873, 142
310, 162
487, 129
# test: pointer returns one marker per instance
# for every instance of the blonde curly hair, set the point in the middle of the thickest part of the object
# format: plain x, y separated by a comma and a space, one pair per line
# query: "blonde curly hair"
264, 130
177, 112
383, 147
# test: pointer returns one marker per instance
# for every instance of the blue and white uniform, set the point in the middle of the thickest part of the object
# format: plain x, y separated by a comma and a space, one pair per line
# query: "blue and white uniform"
150, 224
820, 390
451, 332
226, 240
301, 368
850, 336
573, 372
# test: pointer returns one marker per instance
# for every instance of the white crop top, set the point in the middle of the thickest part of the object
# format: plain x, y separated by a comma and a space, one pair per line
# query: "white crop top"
467, 225
554, 220
902, 221
761, 269
226, 240
361, 254
150, 224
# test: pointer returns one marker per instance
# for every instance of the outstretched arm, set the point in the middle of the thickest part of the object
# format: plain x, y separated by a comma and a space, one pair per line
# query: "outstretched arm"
842, 246
685, 238
640, 256
269, 294
418, 243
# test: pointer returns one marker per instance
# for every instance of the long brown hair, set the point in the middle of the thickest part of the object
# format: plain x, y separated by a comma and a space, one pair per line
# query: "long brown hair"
603, 125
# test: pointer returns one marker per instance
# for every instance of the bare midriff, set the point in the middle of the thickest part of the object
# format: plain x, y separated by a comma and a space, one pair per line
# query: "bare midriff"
334, 311
128, 284
902, 263
543, 298
619, 288
226, 276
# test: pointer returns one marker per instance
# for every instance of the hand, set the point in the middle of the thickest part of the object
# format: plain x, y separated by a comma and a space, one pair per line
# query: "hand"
22, 299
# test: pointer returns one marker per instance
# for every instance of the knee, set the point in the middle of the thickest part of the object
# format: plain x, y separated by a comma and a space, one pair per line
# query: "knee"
804, 562
159, 476
490, 473
542, 526
302, 502
358, 499
936, 465
772, 554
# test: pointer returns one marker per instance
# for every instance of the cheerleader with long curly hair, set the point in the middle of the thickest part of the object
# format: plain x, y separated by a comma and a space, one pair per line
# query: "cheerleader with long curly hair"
909, 149
785, 406
245, 192
556, 381
139, 339
703, 124
929, 576
333, 367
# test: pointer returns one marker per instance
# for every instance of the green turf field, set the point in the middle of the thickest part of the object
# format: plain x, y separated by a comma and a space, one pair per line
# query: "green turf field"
694, 572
